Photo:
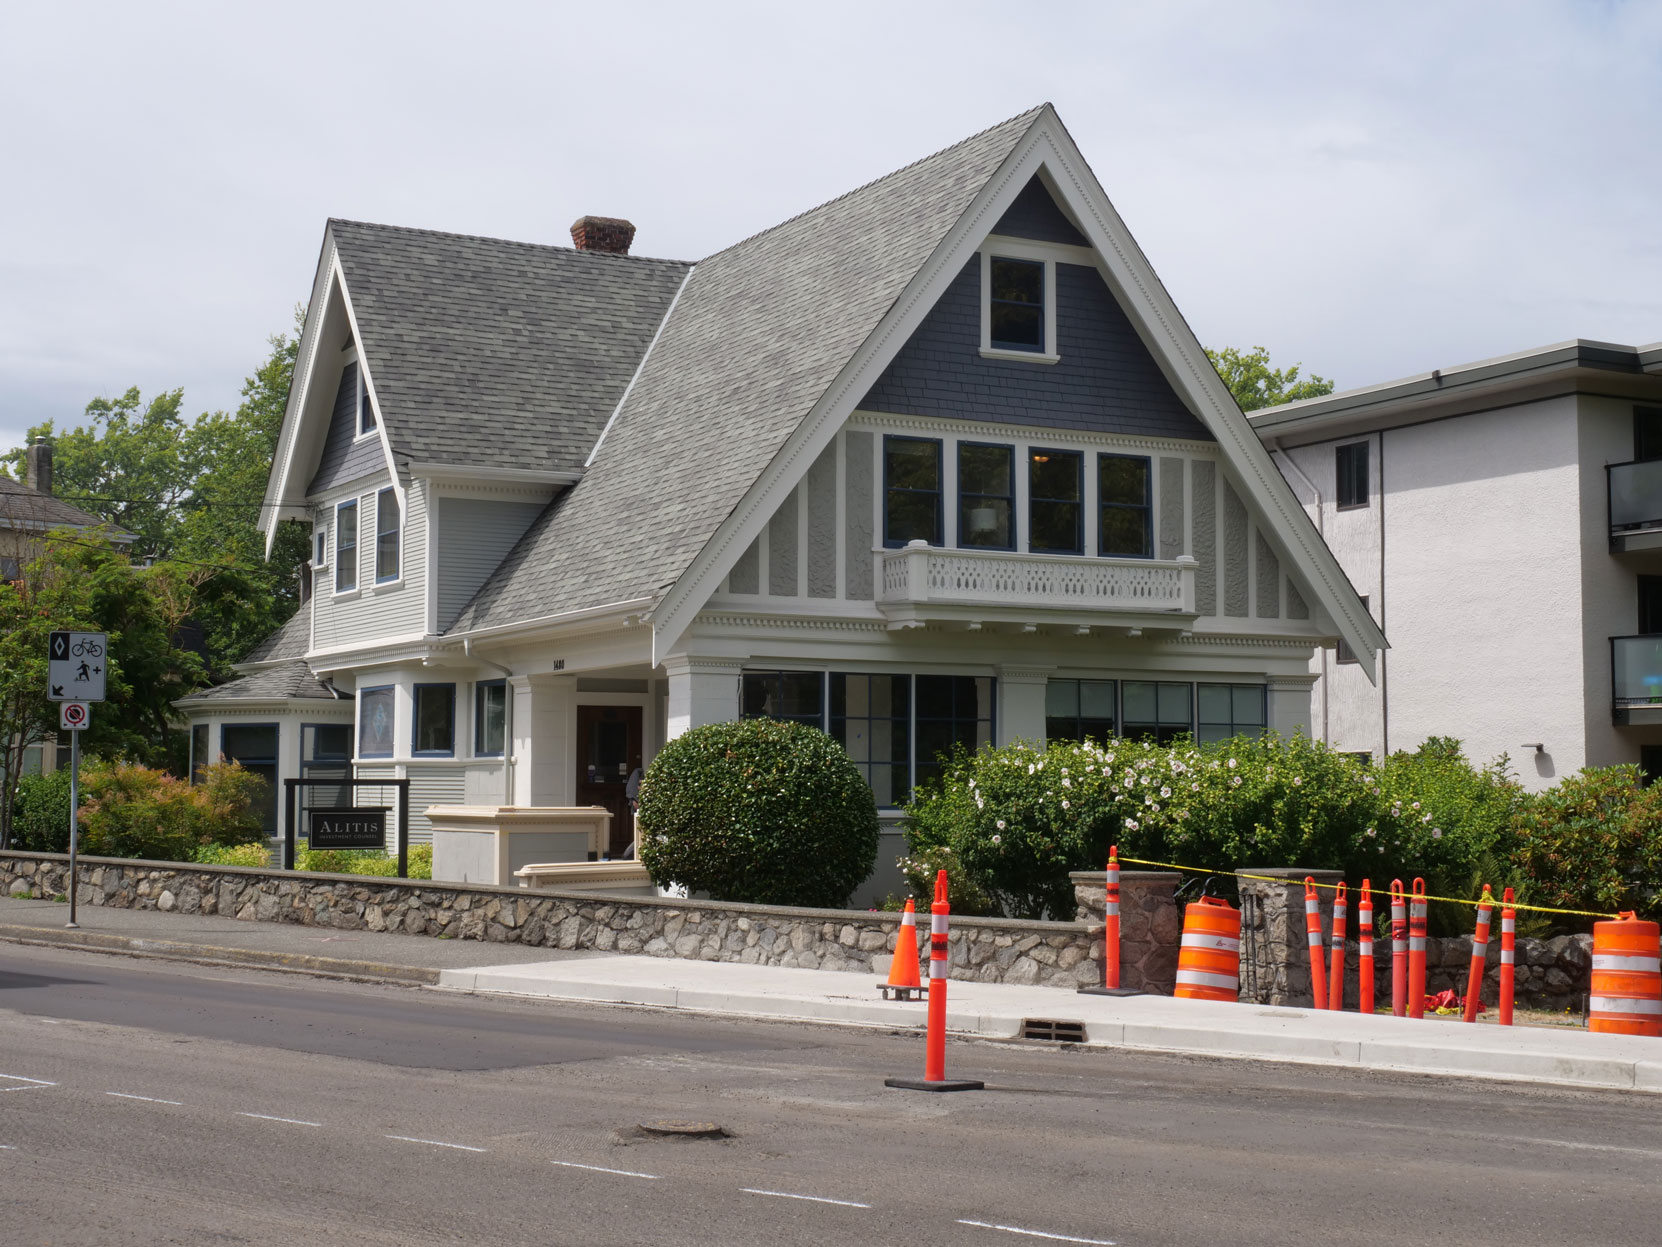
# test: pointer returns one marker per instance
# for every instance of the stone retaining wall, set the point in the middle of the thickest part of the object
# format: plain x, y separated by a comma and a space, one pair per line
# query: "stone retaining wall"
988, 950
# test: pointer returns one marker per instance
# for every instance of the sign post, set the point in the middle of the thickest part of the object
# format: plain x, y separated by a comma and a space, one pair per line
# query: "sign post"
75, 677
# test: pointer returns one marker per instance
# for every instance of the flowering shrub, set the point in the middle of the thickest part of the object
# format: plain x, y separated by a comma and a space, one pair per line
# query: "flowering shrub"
1595, 842
764, 811
134, 811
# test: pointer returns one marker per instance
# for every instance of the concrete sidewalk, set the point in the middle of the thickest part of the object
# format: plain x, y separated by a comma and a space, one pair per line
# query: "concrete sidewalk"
1558, 1056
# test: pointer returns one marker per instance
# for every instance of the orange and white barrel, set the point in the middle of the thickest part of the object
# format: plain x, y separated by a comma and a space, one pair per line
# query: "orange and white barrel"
1627, 978
1209, 961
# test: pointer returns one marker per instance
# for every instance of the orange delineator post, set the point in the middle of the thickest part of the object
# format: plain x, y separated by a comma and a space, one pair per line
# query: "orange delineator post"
1508, 945
934, 1051
1480, 957
1416, 950
1336, 970
1313, 933
1364, 941
1111, 923
1399, 951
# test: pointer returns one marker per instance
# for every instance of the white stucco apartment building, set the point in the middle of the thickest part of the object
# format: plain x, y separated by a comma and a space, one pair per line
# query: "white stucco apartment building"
1503, 522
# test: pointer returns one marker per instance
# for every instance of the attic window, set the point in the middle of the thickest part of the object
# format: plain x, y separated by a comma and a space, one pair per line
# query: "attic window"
366, 409
1018, 304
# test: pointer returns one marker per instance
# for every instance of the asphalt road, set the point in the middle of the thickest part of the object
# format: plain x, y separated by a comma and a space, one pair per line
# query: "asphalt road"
157, 1103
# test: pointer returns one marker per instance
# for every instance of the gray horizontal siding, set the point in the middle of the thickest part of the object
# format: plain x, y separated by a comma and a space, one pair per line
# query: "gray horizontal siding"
344, 457
473, 536
376, 611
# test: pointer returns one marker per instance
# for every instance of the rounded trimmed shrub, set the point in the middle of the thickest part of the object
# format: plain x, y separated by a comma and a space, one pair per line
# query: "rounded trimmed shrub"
759, 811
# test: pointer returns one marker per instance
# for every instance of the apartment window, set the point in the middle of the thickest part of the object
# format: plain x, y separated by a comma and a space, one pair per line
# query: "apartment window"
434, 716
1079, 710
346, 546
386, 536
1650, 763
951, 710
1343, 652
366, 409
375, 718
871, 717
911, 490
1647, 432
1225, 710
1016, 305
11, 567
490, 718
1351, 466
1055, 501
1157, 710
798, 696
986, 496
1125, 507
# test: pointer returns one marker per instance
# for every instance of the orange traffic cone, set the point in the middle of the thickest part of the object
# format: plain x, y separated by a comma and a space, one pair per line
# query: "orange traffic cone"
904, 983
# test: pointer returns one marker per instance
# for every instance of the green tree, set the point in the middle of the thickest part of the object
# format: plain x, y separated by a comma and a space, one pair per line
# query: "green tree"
1255, 384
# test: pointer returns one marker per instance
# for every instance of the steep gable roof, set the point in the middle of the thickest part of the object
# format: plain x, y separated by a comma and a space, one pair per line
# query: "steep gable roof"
756, 337
497, 354
25, 508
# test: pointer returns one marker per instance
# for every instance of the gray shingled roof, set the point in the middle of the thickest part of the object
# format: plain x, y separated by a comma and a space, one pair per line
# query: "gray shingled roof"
25, 507
285, 682
292, 640
488, 353
759, 333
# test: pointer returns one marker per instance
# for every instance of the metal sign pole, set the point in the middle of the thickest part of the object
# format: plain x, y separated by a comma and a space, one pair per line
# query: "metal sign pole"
74, 820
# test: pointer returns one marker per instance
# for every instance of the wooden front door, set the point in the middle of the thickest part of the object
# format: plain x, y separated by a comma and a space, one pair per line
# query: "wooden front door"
608, 750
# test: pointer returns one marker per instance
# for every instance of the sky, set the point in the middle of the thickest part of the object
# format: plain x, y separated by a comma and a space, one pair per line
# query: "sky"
1368, 190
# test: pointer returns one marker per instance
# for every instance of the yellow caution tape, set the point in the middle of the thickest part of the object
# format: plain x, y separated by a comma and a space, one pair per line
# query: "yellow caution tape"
1494, 901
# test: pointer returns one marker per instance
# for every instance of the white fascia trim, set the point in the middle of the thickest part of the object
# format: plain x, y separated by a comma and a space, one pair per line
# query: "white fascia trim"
633, 606
645, 355
462, 474
682, 602
369, 387
274, 511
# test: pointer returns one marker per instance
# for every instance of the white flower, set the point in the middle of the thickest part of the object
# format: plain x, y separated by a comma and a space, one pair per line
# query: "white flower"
1194, 787
1064, 772
1426, 819
1131, 824
1155, 806
979, 803
1165, 792
1065, 805
998, 839
1297, 781
1370, 831
1235, 781
1416, 805
972, 783
1107, 757
1436, 833
1001, 824
1066, 783
1029, 768
1232, 764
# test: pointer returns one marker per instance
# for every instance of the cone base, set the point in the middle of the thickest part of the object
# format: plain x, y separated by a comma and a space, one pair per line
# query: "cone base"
1110, 991
945, 1084
901, 991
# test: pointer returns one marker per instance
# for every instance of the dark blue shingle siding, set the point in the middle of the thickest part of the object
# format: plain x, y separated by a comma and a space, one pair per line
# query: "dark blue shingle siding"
1034, 215
1106, 382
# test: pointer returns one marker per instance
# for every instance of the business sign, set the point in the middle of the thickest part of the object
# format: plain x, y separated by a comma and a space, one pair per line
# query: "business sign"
361, 828
74, 715
75, 666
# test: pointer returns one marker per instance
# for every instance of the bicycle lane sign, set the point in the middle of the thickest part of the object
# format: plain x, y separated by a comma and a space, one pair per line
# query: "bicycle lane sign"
75, 666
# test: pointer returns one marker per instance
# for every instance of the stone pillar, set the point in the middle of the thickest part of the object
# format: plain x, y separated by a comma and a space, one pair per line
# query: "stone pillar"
545, 756
701, 690
1150, 925
1021, 704
1275, 953
1288, 697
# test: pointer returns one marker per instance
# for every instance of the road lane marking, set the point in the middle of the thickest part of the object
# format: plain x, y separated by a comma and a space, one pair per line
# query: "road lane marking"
1059, 1238
622, 1173
8, 1147
460, 1147
813, 1199
292, 1121
122, 1095
1521, 1140
36, 1084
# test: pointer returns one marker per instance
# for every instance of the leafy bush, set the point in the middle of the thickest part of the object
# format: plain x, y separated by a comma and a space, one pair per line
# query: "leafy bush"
134, 811
373, 862
1594, 842
764, 811
40, 815
254, 854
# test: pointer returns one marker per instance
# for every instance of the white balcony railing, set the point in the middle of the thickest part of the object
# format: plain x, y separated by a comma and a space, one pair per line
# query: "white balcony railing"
921, 573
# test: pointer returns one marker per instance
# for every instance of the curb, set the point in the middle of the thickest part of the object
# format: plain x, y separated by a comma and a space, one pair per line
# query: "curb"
211, 954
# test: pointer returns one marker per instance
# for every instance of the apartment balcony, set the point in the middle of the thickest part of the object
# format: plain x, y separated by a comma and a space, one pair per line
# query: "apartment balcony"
1635, 505
975, 589
1636, 679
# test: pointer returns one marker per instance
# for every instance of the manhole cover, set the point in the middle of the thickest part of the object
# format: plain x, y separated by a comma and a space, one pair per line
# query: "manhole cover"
685, 1129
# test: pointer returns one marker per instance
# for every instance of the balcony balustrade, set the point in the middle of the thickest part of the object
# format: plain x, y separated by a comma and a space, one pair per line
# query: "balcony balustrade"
1636, 678
1635, 505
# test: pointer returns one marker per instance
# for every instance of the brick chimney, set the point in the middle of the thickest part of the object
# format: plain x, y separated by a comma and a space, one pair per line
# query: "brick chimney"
602, 233
39, 459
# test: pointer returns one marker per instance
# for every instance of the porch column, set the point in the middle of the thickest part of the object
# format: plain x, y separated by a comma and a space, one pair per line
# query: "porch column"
545, 717
1289, 702
1021, 704
701, 690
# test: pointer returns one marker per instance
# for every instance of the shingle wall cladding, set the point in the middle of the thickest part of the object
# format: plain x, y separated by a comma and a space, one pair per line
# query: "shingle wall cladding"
345, 458
1034, 214
1106, 382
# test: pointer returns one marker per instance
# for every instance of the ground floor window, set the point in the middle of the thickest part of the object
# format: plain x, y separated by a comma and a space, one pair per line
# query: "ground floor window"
255, 746
1227, 710
490, 718
325, 753
1080, 709
1161, 709
199, 755
896, 728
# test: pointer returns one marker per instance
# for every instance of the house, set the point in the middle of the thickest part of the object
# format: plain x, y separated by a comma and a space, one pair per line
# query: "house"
937, 462
1503, 519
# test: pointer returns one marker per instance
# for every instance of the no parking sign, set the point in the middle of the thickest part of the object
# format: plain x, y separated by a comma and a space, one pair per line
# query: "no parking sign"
73, 715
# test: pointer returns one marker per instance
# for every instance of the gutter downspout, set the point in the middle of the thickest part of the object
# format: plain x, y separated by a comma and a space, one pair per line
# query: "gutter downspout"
507, 719
1285, 460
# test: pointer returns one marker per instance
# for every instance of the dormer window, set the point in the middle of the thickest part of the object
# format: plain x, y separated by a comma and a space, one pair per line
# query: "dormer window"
366, 409
1018, 303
